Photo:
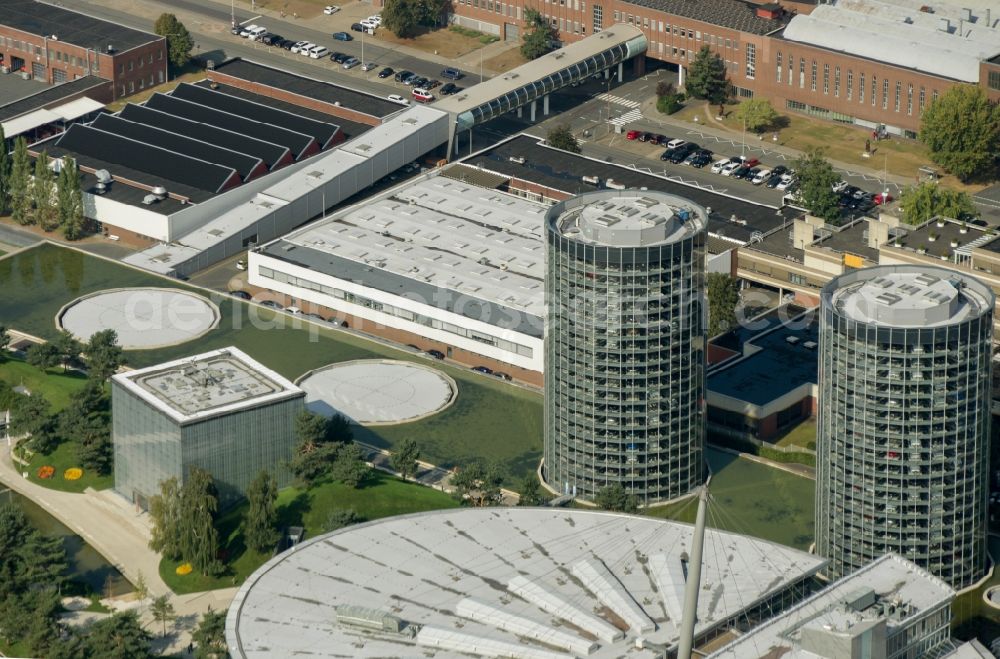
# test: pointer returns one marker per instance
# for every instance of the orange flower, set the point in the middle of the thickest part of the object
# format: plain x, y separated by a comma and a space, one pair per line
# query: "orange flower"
46, 471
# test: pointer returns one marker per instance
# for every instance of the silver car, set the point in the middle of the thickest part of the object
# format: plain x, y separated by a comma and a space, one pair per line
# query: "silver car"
351, 62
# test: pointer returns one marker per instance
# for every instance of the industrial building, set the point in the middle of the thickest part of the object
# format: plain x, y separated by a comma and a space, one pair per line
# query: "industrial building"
51, 110
866, 62
625, 344
538, 583
890, 609
904, 420
53, 44
220, 411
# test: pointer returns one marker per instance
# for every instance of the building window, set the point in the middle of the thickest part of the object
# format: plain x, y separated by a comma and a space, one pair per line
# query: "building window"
899, 92
729, 43
836, 82
994, 79
751, 61
885, 94
645, 22
874, 89
923, 98
812, 77
826, 78
778, 62
791, 68
909, 99
850, 84
802, 73
934, 95
799, 280
861, 88
617, 17
598, 18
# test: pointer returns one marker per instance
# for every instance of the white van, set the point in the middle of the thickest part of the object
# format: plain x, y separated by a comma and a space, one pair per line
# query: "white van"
316, 52
256, 32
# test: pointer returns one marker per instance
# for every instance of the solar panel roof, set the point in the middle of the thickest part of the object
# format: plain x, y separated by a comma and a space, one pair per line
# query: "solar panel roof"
147, 158
321, 131
269, 152
297, 143
246, 166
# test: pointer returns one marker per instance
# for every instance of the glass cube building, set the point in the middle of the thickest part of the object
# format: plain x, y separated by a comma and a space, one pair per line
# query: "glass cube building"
625, 344
904, 420
220, 411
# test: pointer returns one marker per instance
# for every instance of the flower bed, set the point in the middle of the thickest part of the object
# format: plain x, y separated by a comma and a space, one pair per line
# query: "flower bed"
73, 474
46, 471
183, 569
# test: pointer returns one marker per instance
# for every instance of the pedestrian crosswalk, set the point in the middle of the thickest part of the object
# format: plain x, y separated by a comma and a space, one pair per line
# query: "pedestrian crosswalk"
628, 117
618, 100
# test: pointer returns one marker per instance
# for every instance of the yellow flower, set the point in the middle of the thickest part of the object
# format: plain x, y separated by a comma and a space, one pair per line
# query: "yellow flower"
183, 569
73, 473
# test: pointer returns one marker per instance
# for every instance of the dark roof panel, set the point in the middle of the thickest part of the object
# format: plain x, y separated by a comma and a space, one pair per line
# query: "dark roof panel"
296, 142
322, 132
69, 26
49, 96
733, 14
146, 158
244, 164
269, 152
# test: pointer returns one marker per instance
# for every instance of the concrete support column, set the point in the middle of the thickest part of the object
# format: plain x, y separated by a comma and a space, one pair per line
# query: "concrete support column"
520, 111
534, 104
607, 73
680, 77
621, 69
545, 105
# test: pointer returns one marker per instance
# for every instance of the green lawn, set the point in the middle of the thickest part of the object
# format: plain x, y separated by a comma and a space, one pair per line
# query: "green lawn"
489, 419
972, 616
802, 435
62, 458
57, 387
383, 496
754, 499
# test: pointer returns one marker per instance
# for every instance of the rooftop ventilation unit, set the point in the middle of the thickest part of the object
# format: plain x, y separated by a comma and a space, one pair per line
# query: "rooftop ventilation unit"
792, 339
518, 159
103, 176
159, 192
111, 49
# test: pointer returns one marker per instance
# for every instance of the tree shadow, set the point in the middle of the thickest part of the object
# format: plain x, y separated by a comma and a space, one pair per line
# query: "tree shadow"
780, 122
294, 512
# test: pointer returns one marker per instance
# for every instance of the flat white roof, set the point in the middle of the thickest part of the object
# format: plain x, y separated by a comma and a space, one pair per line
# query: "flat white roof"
446, 233
502, 578
949, 42
631, 218
890, 577
207, 385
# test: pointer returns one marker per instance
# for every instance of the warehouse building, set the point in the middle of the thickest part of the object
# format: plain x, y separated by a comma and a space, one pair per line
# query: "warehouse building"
53, 44
50, 110
220, 411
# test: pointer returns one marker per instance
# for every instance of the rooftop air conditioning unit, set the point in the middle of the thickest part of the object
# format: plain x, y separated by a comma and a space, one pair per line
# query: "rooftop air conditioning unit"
159, 192
592, 180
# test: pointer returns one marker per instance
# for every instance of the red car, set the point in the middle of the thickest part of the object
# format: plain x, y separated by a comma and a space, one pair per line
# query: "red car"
749, 162
882, 198
633, 134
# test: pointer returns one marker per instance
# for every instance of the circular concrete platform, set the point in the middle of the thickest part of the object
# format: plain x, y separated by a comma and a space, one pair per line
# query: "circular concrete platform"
144, 318
378, 391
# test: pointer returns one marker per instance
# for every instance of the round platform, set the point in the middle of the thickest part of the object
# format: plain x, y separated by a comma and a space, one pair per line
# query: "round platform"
377, 391
144, 318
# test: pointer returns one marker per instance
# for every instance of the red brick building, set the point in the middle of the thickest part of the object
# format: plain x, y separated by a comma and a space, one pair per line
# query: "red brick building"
868, 62
55, 44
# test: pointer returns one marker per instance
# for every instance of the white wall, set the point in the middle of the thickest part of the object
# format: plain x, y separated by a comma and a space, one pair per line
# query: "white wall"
127, 216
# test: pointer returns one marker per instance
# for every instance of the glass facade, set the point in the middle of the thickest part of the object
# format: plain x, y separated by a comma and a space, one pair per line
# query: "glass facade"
903, 434
624, 363
150, 446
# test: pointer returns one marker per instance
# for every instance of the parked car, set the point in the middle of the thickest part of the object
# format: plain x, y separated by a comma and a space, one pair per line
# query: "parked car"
751, 173
730, 167
257, 33
386, 72
719, 164
448, 88
351, 62
433, 83
882, 198
339, 57
773, 180
243, 295
271, 39
375, 18
761, 177
247, 31
318, 52
402, 75
420, 81
396, 98
421, 95
368, 23
270, 304
673, 144
330, 9
368, 66
452, 74
235, 29
645, 136
436, 354
660, 140
303, 48
678, 155
740, 171
701, 159
342, 36
633, 134
357, 27
299, 45
839, 186
747, 160
786, 182
502, 376
483, 369
779, 170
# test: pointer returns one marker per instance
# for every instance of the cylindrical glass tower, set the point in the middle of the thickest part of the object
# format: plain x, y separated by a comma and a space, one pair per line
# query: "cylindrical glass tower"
625, 344
902, 449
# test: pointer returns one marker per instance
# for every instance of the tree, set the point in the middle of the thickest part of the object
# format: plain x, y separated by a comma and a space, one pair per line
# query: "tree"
120, 636
141, 589
4, 340
67, 347
43, 355
210, 637
723, 296
922, 202
561, 137
318, 440
756, 113
31, 618
165, 511
4, 173
531, 492
404, 459
311, 428
199, 540
32, 415
539, 40
70, 197
104, 355
43, 190
349, 466
816, 181
668, 100
163, 611
179, 41
339, 518
614, 497
94, 448
30, 559
707, 78
260, 524
20, 183
479, 484
962, 130
312, 462
401, 17
664, 88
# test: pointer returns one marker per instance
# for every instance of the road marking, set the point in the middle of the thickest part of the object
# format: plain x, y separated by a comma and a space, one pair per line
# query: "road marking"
619, 100
628, 117
250, 19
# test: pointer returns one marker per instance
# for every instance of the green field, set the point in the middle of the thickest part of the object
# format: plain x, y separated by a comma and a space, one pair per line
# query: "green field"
489, 419
62, 458
57, 387
751, 498
382, 496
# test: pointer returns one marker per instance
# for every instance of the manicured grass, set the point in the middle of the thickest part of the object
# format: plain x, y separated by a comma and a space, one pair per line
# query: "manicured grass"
57, 387
63, 458
383, 496
972, 617
489, 419
753, 499
802, 436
